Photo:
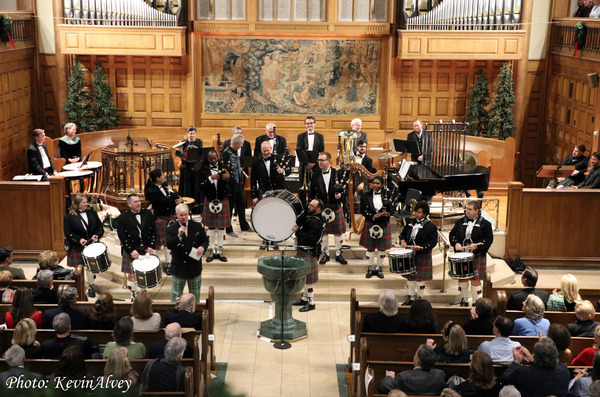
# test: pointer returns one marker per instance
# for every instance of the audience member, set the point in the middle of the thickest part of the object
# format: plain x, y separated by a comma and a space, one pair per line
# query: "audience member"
387, 319
565, 299
482, 318
102, 315
421, 318
79, 320
396, 393
562, 339
6, 291
118, 367
500, 349
157, 349
15, 359
144, 319
54, 347
592, 181
455, 348
166, 374
123, 337
529, 280
533, 322
22, 307
509, 391
582, 381
6, 260
45, 292
584, 7
578, 160
481, 381
184, 313
48, 260
585, 324
71, 366
595, 12
595, 389
585, 357
543, 377
24, 336
423, 379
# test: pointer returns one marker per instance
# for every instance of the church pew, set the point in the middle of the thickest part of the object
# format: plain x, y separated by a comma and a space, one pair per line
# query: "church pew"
59, 285
554, 317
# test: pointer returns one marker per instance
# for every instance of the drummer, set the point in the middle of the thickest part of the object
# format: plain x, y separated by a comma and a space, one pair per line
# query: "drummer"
472, 233
69, 146
82, 226
376, 210
420, 235
163, 200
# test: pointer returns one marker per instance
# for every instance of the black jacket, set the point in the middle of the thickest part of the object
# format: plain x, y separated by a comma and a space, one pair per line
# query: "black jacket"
183, 265
280, 145
318, 144
593, 179
261, 181
184, 318
221, 191
79, 319
34, 160
367, 208
426, 236
75, 231
482, 233
515, 301
161, 205
54, 347
128, 230
317, 187
367, 162
310, 232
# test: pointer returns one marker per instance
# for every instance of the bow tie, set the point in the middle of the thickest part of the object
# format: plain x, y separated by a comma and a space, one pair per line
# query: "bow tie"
267, 159
214, 167
311, 133
325, 172
359, 155
40, 145
378, 193
82, 212
135, 213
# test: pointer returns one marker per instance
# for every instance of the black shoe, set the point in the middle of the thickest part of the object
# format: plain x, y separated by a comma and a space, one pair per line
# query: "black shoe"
324, 259
369, 273
339, 258
247, 229
408, 302
379, 272
168, 271
263, 246
91, 293
300, 302
221, 257
308, 307
211, 256
275, 246
464, 302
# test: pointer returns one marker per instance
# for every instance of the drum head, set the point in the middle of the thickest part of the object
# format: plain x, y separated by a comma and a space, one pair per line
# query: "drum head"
401, 252
461, 255
273, 219
146, 263
94, 250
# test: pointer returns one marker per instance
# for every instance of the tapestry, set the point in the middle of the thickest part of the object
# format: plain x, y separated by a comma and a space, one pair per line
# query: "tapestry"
287, 76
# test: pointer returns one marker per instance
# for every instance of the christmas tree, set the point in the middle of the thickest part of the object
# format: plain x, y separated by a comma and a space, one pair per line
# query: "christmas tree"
501, 113
477, 113
77, 105
105, 113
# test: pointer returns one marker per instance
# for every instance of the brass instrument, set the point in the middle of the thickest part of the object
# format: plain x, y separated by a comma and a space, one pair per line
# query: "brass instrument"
346, 140
307, 177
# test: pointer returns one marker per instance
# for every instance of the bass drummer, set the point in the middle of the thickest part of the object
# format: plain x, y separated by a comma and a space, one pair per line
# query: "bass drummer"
216, 215
420, 235
267, 174
82, 226
472, 233
376, 232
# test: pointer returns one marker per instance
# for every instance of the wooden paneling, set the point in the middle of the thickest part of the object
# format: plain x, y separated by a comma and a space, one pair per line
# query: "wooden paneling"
546, 228
49, 87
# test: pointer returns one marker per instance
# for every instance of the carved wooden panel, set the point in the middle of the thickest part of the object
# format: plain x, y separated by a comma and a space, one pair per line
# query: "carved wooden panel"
48, 89
149, 91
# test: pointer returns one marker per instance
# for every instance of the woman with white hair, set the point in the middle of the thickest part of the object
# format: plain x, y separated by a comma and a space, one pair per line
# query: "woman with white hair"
534, 320
69, 146
387, 319
585, 324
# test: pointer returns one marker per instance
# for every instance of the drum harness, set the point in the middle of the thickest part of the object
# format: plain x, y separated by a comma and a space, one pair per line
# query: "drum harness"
216, 206
469, 230
376, 231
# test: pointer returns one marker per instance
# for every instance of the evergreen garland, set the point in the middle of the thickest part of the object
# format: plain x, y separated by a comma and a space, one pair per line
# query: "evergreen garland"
5, 28
477, 113
105, 113
501, 113
77, 105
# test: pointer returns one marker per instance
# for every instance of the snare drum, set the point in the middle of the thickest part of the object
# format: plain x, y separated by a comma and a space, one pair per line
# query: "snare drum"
402, 261
462, 265
274, 216
146, 271
95, 258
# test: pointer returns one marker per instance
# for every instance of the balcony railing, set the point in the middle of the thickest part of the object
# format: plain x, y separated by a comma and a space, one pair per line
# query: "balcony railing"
563, 38
116, 13
23, 29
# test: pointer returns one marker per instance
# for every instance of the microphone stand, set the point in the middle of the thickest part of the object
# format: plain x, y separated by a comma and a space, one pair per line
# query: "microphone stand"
282, 344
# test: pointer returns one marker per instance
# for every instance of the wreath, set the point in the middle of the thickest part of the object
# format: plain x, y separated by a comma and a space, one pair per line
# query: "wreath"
5, 28
580, 35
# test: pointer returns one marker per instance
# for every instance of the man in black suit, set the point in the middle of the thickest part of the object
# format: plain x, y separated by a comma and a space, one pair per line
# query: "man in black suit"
15, 359
78, 319
183, 314
580, 161
54, 347
38, 159
172, 330
137, 231
416, 136
187, 241
310, 140
6, 260
593, 179
356, 125
529, 280
482, 318
45, 292
245, 150
231, 162
267, 174
277, 142
166, 374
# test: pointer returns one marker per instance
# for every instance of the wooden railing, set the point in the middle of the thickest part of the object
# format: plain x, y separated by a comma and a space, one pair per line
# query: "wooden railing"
563, 38
23, 28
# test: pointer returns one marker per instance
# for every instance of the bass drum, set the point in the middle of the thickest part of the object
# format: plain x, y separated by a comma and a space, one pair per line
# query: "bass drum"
274, 216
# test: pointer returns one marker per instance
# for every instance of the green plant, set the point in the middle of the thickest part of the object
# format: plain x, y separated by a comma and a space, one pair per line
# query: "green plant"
105, 113
580, 35
77, 105
477, 112
501, 113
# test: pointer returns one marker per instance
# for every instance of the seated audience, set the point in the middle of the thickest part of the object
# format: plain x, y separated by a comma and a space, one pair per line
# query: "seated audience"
595, 12
123, 337
592, 181
585, 357
585, 324
455, 348
565, 299
545, 375
509, 391
534, 320
157, 349
48, 260
144, 319
118, 367
580, 385
595, 389
481, 380
166, 374
529, 280
102, 315
22, 307
79, 319
482, 318
54, 347
387, 319
6, 259
71, 366
584, 7
562, 339
423, 379
500, 349
578, 160
24, 336
6, 291
45, 292
15, 359
421, 318
184, 313
396, 393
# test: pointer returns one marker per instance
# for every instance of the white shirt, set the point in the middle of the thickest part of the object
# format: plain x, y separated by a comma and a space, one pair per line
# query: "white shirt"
162, 190
326, 179
273, 142
377, 201
86, 222
212, 172
311, 140
45, 159
595, 13
358, 158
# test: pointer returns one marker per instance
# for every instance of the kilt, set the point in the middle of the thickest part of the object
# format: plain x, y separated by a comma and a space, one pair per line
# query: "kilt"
338, 225
221, 220
313, 277
161, 230
74, 258
380, 244
479, 262
126, 263
423, 267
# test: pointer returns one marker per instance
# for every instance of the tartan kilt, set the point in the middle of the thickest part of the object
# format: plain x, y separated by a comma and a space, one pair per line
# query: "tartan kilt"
381, 244
74, 258
423, 266
126, 263
221, 220
161, 230
338, 225
313, 276
480, 262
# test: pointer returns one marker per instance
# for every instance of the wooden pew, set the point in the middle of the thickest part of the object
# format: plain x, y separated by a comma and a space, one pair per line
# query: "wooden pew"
553, 317
60, 285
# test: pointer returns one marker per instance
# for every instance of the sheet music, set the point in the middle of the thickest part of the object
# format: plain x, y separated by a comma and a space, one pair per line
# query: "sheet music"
194, 254
404, 166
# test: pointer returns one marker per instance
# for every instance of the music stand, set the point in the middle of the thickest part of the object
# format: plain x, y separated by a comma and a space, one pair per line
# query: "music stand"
202, 155
554, 172
247, 161
307, 156
86, 158
404, 146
